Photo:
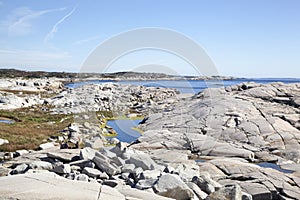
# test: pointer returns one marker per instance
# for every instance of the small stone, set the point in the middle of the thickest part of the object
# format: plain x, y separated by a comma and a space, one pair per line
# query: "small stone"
150, 174
91, 172
75, 168
246, 196
136, 173
21, 152
114, 141
41, 165
47, 145
206, 184
169, 169
83, 163
62, 169
87, 153
103, 176
95, 143
199, 193
111, 183
74, 128
20, 169
82, 177
3, 141
128, 168
118, 161
145, 184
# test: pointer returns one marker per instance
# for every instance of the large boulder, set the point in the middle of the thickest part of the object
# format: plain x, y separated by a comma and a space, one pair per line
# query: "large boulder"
232, 192
143, 160
172, 186
103, 163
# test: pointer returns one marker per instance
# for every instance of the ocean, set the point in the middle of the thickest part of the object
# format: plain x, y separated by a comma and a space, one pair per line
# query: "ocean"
189, 86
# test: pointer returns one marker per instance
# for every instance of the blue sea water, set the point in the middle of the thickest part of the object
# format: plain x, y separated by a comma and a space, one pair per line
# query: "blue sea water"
190, 86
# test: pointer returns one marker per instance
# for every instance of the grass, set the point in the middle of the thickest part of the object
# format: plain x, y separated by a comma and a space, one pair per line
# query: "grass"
24, 93
31, 128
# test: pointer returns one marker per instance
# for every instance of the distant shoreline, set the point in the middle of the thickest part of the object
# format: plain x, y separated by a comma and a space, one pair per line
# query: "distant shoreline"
117, 76
70, 77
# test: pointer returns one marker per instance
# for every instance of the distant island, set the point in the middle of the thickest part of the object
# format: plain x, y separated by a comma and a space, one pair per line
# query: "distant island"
127, 75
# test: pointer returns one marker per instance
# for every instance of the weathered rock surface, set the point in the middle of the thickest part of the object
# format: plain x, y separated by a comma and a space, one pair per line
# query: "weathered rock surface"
172, 186
113, 97
131, 193
227, 192
238, 121
261, 183
229, 127
46, 186
9, 99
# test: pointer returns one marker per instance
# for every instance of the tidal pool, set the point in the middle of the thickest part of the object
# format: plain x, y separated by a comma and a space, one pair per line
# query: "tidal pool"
123, 127
273, 166
6, 121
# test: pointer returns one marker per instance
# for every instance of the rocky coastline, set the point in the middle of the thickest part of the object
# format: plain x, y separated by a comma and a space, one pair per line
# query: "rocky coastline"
194, 146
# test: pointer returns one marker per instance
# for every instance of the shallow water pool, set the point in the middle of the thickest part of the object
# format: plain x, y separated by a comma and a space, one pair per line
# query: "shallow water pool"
123, 127
6, 121
273, 166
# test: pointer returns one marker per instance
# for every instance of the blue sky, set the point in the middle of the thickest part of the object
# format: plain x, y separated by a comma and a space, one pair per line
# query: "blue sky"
247, 38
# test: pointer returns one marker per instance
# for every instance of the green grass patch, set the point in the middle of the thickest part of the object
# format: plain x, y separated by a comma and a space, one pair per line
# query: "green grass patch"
31, 127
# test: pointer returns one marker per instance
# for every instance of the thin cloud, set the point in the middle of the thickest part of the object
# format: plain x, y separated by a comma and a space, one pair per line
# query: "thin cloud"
30, 58
20, 21
54, 29
28, 54
83, 41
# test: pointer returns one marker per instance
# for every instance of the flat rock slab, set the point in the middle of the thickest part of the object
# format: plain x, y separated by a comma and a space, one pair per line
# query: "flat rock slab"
65, 155
46, 186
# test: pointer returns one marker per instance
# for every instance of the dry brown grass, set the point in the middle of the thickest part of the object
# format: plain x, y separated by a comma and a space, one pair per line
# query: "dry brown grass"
32, 126
24, 93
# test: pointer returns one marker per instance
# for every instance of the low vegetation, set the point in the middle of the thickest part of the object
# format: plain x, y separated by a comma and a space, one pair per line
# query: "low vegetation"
31, 127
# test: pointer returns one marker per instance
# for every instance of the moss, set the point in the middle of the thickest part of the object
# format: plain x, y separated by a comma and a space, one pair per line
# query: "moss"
138, 130
110, 134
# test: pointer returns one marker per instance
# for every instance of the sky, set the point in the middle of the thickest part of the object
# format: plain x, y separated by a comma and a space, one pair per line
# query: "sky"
243, 38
